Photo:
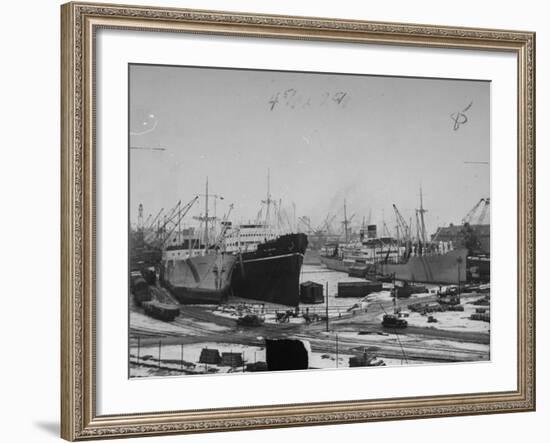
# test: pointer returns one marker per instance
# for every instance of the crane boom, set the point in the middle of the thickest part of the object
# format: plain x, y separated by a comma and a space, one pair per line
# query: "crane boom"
155, 219
181, 214
483, 211
224, 230
402, 224
470, 214
306, 222
328, 223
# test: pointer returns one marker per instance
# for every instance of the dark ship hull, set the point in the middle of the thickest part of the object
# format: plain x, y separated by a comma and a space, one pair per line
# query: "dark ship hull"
272, 272
202, 279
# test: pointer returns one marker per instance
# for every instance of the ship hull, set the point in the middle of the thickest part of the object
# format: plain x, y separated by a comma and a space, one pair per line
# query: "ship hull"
335, 264
272, 273
442, 268
199, 280
312, 257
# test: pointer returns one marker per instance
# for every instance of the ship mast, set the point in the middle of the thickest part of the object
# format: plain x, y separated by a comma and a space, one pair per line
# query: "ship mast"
268, 196
268, 202
345, 222
420, 219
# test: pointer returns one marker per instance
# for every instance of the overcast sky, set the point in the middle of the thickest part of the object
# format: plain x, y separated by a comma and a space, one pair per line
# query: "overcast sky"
325, 137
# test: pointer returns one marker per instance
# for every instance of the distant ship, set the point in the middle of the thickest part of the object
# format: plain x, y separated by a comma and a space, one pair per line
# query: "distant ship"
439, 260
445, 268
432, 267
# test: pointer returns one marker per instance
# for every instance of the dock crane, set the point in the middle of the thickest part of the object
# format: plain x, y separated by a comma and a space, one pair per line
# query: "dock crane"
484, 211
178, 216
484, 204
147, 220
152, 222
328, 223
224, 230
322, 229
306, 222
402, 225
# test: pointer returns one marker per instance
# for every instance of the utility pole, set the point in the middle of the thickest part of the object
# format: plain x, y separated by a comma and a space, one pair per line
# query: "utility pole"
206, 218
458, 261
337, 349
160, 346
327, 304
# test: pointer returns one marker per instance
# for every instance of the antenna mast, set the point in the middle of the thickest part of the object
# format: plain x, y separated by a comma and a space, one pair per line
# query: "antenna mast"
268, 200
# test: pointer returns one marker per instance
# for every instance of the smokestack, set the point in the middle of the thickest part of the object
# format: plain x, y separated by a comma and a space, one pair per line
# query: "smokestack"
371, 231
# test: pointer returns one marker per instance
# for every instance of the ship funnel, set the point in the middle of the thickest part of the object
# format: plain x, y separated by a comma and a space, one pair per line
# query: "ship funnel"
371, 231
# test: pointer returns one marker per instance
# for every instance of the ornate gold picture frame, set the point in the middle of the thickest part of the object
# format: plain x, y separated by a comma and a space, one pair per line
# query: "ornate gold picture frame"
80, 22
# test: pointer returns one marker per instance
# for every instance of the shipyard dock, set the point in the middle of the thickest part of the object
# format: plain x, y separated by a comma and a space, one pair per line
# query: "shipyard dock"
348, 330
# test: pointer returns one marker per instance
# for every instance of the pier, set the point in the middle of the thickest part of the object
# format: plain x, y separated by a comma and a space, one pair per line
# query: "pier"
344, 330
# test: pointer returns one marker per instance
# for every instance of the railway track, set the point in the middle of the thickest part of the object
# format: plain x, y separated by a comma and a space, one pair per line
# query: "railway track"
200, 324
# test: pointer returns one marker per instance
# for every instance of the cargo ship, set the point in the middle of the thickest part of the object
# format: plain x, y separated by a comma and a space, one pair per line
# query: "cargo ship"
197, 276
267, 264
268, 257
430, 268
446, 267
360, 258
196, 270
255, 261
442, 259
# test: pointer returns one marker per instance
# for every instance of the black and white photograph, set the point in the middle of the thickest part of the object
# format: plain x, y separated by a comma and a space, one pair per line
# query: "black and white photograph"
285, 220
